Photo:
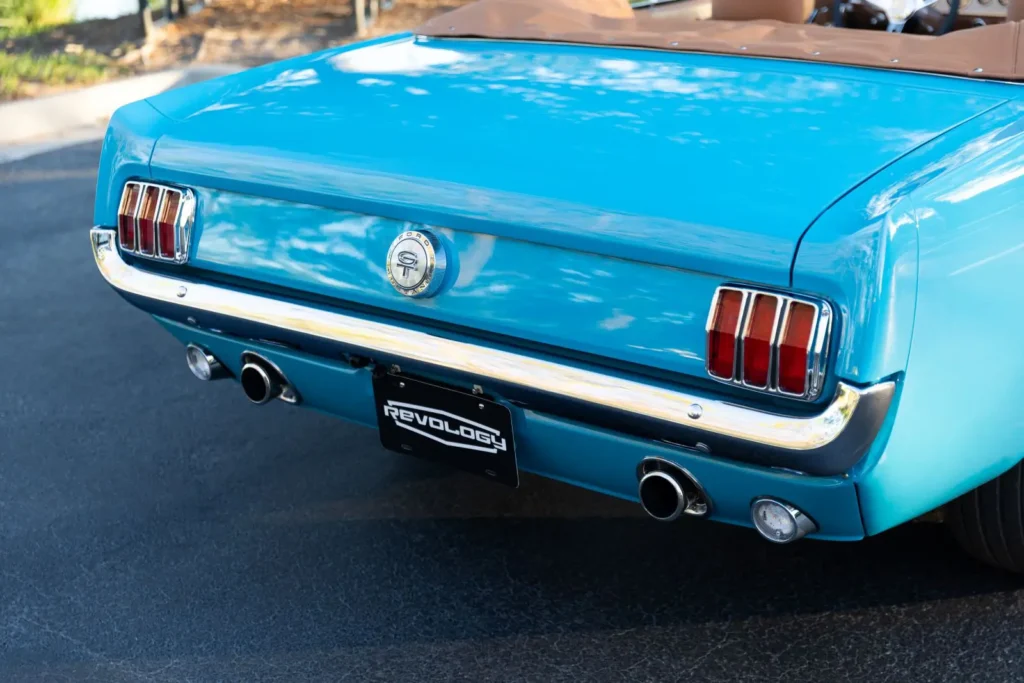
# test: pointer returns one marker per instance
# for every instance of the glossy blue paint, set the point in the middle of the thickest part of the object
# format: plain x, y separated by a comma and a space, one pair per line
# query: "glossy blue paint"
929, 283
127, 146
709, 163
863, 253
564, 450
959, 420
648, 315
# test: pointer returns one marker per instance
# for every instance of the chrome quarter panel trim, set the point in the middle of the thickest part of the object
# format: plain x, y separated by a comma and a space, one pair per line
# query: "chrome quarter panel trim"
843, 429
183, 223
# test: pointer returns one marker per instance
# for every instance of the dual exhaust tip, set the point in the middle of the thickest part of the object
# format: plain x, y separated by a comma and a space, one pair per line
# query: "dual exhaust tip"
260, 383
668, 491
261, 380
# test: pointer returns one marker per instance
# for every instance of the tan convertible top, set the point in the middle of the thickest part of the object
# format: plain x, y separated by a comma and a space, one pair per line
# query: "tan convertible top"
995, 51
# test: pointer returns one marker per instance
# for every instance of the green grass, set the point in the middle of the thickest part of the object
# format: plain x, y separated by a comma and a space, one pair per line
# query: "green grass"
55, 69
32, 13
20, 31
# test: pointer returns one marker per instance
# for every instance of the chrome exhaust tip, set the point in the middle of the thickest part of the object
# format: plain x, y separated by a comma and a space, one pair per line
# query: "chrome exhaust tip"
203, 364
661, 496
262, 381
780, 522
668, 491
258, 384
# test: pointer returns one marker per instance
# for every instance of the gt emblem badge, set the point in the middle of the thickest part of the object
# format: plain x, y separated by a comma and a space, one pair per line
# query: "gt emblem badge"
416, 263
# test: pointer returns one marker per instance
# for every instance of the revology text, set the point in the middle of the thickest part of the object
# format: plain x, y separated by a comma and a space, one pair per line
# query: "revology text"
438, 424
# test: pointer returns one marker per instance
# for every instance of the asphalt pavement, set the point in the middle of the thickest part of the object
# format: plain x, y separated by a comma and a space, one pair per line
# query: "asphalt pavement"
156, 528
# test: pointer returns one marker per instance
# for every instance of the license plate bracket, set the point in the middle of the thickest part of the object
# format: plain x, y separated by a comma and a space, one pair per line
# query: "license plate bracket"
444, 425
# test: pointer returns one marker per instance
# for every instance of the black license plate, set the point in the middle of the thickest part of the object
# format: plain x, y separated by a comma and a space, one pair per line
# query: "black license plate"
463, 430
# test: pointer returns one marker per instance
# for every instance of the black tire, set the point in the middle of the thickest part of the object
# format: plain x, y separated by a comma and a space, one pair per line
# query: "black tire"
988, 522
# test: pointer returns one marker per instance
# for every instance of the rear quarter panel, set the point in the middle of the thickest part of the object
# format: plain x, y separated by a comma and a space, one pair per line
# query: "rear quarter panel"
127, 147
933, 287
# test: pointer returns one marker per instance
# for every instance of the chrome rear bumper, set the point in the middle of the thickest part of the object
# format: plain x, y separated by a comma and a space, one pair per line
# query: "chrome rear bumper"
825, 443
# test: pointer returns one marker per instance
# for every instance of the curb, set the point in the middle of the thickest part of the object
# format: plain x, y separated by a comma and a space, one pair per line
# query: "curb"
47, 117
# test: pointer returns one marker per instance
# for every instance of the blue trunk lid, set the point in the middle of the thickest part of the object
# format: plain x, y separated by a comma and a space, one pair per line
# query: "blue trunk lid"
547, 165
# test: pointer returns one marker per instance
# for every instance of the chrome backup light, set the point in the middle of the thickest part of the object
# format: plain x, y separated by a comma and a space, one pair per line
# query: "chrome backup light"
768, 341
203, 365
780, 522
155, 221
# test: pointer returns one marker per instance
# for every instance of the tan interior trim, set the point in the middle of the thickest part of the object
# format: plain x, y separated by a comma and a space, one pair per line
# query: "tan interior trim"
988, 52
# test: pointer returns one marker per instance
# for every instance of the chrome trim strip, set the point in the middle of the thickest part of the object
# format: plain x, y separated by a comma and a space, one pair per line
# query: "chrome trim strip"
716, 418
183, 223
135, 214
161, 198
819, 353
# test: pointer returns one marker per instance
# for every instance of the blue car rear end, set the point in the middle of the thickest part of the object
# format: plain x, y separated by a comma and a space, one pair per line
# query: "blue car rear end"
591, 202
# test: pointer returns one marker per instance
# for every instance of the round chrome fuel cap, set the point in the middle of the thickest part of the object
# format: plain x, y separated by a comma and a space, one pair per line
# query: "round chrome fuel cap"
416, 263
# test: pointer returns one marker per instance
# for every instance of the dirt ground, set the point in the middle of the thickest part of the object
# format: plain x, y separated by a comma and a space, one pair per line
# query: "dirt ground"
254, 32
246, 32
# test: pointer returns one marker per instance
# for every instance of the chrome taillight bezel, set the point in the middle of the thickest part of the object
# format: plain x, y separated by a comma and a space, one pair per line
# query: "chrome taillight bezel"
817, 343
182, 223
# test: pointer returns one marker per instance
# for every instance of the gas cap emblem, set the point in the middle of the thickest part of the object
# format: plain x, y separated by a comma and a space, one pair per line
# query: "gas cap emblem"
416, 263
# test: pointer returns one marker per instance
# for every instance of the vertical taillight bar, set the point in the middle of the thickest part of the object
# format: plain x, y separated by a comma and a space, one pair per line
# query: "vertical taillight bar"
795, 347
783, 345
146, 220
166, 224
723, 332
126, 216
759, 339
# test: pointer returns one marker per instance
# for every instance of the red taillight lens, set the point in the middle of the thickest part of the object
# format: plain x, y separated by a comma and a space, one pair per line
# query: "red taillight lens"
722, 333
126, 216
757, 342
793, 350
166, 223
155, 220
147, 219
778, 358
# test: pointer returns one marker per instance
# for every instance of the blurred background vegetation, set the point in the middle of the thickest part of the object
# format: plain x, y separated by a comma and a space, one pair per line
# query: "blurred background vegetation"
47, 46
26, 15
21, 19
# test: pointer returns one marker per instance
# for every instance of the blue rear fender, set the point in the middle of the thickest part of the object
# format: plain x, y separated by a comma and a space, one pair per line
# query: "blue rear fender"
932, 288
127, 148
